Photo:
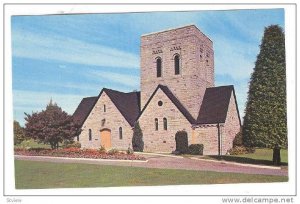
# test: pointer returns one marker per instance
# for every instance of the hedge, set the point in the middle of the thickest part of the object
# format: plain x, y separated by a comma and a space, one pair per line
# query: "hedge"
196, 149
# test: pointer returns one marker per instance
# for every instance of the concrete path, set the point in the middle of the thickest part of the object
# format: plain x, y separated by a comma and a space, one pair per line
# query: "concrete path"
166, 162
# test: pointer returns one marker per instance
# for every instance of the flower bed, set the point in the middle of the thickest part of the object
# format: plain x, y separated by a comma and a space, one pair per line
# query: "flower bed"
78, 153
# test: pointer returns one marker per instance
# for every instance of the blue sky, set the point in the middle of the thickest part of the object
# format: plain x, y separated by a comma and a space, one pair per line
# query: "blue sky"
68, 57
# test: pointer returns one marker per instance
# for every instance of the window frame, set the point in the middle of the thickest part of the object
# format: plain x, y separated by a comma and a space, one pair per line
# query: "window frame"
156, 124
120, 133
158, 68
177, 64
90, 135
165, 121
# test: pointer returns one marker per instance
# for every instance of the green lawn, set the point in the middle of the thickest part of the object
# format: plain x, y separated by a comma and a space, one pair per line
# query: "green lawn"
38, 175
260, 156
33, 144
266, 154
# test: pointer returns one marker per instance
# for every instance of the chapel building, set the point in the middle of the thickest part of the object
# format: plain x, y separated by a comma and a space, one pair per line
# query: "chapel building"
177, 93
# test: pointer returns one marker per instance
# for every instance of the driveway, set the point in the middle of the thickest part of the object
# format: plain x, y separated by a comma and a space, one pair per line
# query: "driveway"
167, 162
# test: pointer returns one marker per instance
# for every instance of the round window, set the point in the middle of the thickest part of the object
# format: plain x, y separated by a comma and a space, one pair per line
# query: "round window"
160, 103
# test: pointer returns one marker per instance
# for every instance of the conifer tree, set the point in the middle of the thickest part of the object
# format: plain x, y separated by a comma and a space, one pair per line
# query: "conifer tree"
137, 138
265, 121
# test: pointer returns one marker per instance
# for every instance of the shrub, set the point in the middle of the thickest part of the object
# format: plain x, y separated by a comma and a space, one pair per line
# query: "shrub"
19, 134
241, 150
113, 151
137, 138
37, 149
73, 145
176, 152
102, 149
196, 149
238, 140
182, 142
129, 151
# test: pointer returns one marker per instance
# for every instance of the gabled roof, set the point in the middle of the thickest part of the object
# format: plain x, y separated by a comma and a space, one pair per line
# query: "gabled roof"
215, 105
174, 100
127, 103
83, 109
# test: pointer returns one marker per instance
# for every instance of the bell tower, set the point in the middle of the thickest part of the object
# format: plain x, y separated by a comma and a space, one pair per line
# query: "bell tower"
180, 58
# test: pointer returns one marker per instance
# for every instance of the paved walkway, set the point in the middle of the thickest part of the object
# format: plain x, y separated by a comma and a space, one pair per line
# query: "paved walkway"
165, 162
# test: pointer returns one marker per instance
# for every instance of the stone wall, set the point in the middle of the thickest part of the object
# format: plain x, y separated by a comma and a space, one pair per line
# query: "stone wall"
231, 126
196, 65
162, 140
113, 120
208, 136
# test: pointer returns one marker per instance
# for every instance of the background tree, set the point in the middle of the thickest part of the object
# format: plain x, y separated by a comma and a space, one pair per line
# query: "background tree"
51, 126
137, 138
19, 134
265, 122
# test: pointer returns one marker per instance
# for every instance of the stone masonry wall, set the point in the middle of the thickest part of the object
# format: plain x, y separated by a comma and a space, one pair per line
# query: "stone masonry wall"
162, 140
113, 120
196, 65
208, 136
231, 126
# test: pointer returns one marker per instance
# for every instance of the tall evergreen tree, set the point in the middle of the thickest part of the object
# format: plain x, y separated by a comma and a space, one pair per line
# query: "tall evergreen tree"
265, 121
137, 138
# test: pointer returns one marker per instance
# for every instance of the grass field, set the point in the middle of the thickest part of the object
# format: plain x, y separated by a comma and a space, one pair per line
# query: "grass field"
260, 156
266, 154
39, 175
33, 144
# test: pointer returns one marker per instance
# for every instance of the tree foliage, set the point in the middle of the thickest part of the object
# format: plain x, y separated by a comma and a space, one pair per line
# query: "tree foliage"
51, 126
19, 135
265, 121
238, 140
181, 139
137, 138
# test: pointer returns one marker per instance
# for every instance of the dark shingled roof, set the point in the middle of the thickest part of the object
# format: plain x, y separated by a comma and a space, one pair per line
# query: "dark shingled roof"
127, 103
83, 109
213, 110
174, 100
215, 104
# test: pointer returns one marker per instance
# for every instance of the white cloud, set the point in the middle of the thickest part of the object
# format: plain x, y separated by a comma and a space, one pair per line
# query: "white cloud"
69, 85
132, 81
31, 101
68, 102
36, 46
234, 58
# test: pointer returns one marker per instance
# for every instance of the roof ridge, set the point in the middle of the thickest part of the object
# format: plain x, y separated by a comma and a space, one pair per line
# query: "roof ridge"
120, 91
169, 29
220, 86
90, 97
171, 97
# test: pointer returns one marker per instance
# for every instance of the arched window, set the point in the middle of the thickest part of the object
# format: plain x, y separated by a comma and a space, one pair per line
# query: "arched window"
158, 67
104, 108
90, 134
165, 124
120, 133
177, 64
156, 124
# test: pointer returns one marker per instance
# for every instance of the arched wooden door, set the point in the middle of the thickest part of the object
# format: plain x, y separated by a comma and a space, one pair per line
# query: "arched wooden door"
105, 138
